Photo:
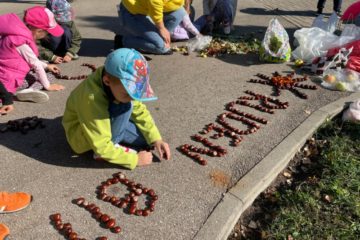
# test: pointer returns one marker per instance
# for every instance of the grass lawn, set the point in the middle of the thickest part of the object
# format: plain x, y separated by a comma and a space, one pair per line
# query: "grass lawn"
321, 199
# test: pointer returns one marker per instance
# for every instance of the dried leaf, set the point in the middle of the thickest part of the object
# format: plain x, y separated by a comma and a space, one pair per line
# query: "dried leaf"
287, 174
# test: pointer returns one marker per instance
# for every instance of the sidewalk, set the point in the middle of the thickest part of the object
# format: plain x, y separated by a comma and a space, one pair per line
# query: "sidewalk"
192, 92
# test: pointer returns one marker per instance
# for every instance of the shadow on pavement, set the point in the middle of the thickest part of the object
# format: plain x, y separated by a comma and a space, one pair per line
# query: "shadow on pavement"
103, 22
49, 146
94, 47
277, 11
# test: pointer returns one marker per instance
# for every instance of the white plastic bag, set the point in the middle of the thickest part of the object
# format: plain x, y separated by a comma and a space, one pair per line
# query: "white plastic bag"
329, 25
341, 80
315, 42
353, 113
198, 43
275, 46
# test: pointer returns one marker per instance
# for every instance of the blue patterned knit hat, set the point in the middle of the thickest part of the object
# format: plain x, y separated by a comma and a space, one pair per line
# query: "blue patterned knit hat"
61, 9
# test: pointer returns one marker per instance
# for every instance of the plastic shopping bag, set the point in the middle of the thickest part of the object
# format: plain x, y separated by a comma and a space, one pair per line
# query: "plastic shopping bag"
315, 42
275, 46
341, 80
198, 43
329, 25
353, 113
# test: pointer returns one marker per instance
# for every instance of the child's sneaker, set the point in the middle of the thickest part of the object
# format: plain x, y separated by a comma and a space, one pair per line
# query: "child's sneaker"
13, 202
4, 232
75, 57
126, 149
227, 28
32, 95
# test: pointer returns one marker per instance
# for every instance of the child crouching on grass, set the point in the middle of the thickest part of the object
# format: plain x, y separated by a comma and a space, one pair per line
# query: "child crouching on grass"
106, 110
19, 54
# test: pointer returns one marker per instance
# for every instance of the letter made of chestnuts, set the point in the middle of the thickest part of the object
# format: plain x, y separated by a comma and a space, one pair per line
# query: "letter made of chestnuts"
130, 201
79, 77
64, 228
104, 219
267, 105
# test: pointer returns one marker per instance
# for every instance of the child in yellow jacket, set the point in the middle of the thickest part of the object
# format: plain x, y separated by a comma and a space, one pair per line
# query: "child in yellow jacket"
106, 110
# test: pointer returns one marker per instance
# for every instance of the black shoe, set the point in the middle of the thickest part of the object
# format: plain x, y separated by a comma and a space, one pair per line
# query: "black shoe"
118, 41
319, 11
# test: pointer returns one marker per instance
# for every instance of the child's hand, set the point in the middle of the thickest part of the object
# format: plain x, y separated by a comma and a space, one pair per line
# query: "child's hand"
165, 34
6, 109
53, 68
67, 58
144, 158
163, 149
55, 87
58, 60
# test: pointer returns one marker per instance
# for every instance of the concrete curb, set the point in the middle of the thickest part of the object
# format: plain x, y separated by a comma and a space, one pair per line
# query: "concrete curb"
225, 215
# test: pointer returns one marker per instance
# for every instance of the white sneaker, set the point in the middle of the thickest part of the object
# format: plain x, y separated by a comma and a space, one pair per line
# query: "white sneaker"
32, 95
227, 29
126, 149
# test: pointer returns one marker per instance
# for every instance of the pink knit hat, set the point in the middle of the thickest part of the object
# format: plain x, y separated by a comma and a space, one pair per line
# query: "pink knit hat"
43, 18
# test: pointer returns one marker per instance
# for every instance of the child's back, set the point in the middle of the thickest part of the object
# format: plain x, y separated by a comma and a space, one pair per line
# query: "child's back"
13, 67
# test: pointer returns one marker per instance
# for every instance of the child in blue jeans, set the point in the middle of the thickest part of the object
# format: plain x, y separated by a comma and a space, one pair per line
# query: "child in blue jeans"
66, 47
106, 110
216, 13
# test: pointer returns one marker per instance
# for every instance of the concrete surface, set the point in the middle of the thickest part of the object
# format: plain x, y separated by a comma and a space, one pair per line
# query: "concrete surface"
192, 92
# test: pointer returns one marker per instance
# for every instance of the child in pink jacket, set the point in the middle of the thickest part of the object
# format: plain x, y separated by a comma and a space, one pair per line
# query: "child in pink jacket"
19, 55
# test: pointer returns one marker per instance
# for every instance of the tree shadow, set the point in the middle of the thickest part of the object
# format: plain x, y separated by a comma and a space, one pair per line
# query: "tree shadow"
95, 47
49, 146
277, 11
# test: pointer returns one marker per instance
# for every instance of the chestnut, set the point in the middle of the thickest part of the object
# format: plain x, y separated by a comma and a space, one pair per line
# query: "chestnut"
151, 192
146, 212
105, 218
67, 225
132, 209
97, 216
55, 217
116, 229
59, 226
73, 236
95, 210
122, 204
57, 222
135, 199
79, 201
111, 223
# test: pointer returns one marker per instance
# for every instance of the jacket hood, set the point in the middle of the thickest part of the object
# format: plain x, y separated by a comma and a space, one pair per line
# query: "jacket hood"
11, 25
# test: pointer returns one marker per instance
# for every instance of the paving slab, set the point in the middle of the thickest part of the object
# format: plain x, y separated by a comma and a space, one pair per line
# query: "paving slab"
192, 92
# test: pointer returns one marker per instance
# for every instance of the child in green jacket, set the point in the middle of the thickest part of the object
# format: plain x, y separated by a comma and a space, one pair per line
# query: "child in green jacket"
64, 48
106, 110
